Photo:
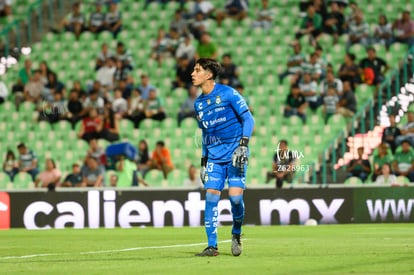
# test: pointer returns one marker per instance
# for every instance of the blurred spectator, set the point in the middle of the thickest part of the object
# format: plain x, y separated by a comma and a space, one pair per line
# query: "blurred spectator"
183, 72
145, 86
404, 29
53, 86
330, 103
5, 8
34, 88
187, 107
283, 160
380, 158
45, 71
331, 81
320, 8
161, 159
97, 152
347, 105
186, 48
358, 32
407, 130
93, 174
113, 180
206, 47
321, 60
75, 22
403, 164
74, 179
391, 133
124, 55
334, 23
193, 179
54, 110
77, 86
27, 161
229, 73
309, 90
311, 25
205, 7
4, 92
350, 18
110, 125
295, 104
10, 165
349, 70
264, 17
234, 9
143, 159
152, 109
49, 178
105, 74
294, 62
97, 19
172, 40
103, 55
312, 67
125, 89
93, 101
25, 73
359, 167
377, 66
73, 108
199, 25
113, 21
383, 31
159, 46
91, 126
121, 72
178, 22
386, 176
135, 104
119, 104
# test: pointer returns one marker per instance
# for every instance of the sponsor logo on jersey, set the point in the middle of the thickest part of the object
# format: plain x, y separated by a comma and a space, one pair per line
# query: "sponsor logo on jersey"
217, 120
218, 99
200, 106
208, 101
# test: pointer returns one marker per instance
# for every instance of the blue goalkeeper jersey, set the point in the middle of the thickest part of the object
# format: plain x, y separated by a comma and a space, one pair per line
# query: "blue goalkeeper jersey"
224, 118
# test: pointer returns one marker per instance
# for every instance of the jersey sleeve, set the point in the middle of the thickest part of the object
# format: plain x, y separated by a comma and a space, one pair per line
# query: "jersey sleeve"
240, 107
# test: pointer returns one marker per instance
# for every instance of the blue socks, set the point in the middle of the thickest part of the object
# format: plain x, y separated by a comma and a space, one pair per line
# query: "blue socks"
211, 217
237, 209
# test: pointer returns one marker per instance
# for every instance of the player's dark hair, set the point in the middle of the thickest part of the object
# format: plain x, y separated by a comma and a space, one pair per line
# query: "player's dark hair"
284, 141
211, 65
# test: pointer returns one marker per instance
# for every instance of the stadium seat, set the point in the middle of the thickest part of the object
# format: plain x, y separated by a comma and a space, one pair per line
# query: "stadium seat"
353, 181
23, 180
155, 178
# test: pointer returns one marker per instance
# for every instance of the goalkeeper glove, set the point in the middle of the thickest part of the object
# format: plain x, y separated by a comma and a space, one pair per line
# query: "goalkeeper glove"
203, 170
239, 157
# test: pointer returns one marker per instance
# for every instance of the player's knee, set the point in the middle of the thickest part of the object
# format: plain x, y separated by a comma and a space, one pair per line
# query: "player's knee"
235, 200
211, 197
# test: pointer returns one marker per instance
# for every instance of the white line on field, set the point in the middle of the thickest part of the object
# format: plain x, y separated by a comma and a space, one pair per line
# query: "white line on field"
109, 251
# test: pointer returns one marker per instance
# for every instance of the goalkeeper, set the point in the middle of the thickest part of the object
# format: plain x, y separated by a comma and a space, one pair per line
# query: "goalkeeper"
227, 125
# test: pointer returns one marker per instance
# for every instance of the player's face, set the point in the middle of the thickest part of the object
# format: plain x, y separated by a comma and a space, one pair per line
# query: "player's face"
199, 75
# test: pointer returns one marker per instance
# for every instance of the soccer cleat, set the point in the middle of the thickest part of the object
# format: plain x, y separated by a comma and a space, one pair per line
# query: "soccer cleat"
236, 246
208, 252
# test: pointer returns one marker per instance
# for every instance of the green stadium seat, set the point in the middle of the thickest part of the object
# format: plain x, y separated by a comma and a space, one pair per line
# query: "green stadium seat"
353, 181
155, 178
23, 180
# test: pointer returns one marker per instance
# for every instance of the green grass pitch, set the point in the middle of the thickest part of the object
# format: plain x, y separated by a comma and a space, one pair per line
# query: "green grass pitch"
325, 249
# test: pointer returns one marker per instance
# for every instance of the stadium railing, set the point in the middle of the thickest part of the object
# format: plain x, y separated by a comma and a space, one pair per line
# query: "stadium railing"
363, 120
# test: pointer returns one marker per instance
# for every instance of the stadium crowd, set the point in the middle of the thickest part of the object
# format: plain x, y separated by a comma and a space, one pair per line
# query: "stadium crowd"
96, 108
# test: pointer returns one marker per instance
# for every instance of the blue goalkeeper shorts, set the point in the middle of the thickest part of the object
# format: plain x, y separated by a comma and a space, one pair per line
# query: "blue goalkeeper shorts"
218, 173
